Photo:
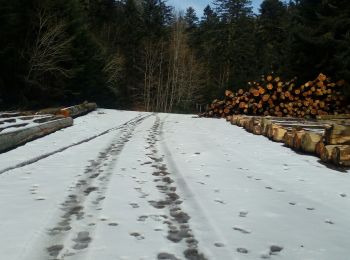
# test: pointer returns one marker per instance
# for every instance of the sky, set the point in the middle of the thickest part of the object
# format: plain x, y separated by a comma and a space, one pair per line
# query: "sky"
199, 5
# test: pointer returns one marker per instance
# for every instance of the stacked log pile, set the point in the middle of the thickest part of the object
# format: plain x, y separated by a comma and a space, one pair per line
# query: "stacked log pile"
326, 138
18, 128
29, 128
274, 97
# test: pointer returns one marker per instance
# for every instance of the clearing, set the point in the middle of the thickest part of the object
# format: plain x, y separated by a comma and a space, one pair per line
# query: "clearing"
129, 185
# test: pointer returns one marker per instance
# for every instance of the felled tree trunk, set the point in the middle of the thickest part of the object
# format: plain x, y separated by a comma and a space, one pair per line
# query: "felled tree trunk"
78, 110
341, 155
309, 142
19, 137
338, 134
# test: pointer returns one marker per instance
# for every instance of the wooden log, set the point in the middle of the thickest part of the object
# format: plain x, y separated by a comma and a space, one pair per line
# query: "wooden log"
18, 137
78, 110
298, 135
326, 153
330, 117
337, 134
257, 129
319, 147
309, 141
278, 133
341, 155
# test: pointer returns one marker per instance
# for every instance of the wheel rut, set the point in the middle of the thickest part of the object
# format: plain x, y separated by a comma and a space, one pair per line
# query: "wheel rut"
80, 210
177, 220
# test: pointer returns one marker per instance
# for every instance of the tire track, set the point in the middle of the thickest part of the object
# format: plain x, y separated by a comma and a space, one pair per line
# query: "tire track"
80, 209
43, 156
179, 230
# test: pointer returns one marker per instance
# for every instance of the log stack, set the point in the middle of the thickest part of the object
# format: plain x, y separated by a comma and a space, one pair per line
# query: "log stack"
21, 135
273, 97
326, 139
18, 128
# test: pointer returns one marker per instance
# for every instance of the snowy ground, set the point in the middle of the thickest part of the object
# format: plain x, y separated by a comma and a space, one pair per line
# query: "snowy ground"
128, 185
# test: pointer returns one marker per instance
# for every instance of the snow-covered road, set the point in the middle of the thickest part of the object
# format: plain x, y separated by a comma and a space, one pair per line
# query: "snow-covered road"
129, 185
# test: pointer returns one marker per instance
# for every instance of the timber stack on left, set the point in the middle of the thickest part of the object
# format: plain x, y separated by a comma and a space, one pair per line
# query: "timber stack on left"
18, 128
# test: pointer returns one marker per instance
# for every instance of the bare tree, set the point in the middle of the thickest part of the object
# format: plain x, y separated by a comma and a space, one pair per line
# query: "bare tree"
113, 69
172, 75
50, 52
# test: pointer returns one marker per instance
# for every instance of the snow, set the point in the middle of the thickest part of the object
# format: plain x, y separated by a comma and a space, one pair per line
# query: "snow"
128, 193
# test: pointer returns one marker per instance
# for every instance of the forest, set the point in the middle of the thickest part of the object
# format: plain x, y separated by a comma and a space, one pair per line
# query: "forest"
144, 55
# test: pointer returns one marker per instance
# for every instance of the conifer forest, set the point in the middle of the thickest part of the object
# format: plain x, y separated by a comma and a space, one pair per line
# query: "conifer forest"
145, 55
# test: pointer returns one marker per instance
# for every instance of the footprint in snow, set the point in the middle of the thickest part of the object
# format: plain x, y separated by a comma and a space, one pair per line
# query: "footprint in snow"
292, 203
243, 214
82, 240
146, 163
219, 245
243, 231
219, 201
343, 195
242, 250
137, 235
328, 221
274, 249
268, 187
166, 256
310, 208
54, 250
142, 218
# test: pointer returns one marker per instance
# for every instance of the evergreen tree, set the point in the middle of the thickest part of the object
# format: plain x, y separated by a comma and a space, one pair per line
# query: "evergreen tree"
321, 38
191, 18
272, 36
232, 10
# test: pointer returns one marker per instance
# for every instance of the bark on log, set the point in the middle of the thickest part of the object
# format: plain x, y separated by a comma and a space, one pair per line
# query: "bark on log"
319, 147
19, 137
326, 153
278, 134
288, 139
298, 135
78, 110
341, 155
337, 134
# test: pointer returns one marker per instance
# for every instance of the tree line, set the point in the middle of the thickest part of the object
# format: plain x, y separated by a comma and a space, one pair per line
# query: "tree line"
141, 54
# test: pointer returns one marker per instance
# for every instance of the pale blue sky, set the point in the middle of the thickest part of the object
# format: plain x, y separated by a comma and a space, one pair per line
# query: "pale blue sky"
199, 5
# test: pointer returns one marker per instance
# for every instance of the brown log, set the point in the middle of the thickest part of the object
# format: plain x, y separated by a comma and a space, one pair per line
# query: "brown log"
309, 142
341, 155
326, 152
319, 147
278, 134
337, 134
298, 135
288, 139
18, 137
82, 109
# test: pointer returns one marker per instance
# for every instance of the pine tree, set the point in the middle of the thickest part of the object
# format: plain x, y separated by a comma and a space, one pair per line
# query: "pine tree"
191, 18
321, 39
272, 36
